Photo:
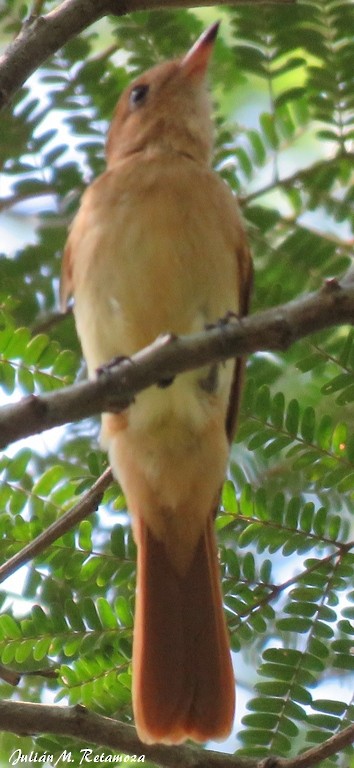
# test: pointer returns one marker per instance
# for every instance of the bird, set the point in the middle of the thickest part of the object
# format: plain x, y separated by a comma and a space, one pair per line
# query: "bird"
158, 246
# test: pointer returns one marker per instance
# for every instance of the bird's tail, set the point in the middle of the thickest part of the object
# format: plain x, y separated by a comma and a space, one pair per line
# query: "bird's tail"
183, 682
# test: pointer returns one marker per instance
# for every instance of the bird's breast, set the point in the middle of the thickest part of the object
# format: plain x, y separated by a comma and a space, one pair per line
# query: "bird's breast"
157, 254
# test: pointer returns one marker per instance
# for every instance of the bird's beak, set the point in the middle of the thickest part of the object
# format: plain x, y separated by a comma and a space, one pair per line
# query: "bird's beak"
195, 62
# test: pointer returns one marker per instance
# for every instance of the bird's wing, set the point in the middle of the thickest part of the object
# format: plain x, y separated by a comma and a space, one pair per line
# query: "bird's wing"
245, 270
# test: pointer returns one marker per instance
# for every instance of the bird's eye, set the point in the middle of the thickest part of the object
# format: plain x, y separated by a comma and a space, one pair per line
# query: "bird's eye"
138, 95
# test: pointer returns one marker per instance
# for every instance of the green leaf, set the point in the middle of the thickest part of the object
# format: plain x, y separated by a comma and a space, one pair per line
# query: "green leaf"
73, 614
8, 627
123, 612
292, 417
118, 542
35, 349
106, 614
229, 500
268, 126
85, 535
308, 423
41, 648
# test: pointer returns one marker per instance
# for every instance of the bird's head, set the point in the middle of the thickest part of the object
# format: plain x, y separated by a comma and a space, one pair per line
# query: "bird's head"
167, 108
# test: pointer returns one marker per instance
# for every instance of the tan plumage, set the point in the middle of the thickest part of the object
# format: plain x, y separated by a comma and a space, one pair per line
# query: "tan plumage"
158, 246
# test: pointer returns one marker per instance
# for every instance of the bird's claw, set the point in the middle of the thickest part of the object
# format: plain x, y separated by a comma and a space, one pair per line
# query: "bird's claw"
112, 364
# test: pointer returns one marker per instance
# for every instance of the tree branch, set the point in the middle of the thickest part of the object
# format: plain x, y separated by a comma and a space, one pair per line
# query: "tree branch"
27, 719
315, 755
42, 36
24, 718
87, 504
13, 676
115, 388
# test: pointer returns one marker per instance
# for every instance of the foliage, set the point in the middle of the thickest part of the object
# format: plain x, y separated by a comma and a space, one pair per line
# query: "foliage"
283, 82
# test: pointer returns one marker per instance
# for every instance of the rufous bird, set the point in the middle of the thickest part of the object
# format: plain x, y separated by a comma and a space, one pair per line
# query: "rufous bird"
158, 246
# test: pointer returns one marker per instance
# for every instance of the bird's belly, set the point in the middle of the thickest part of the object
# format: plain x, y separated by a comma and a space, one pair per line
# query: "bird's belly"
149, 277
150, 285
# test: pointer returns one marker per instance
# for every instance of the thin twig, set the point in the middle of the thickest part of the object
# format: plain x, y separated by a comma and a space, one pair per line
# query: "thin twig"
87, 504
46, 322
13, 676
288, 182
315, 755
